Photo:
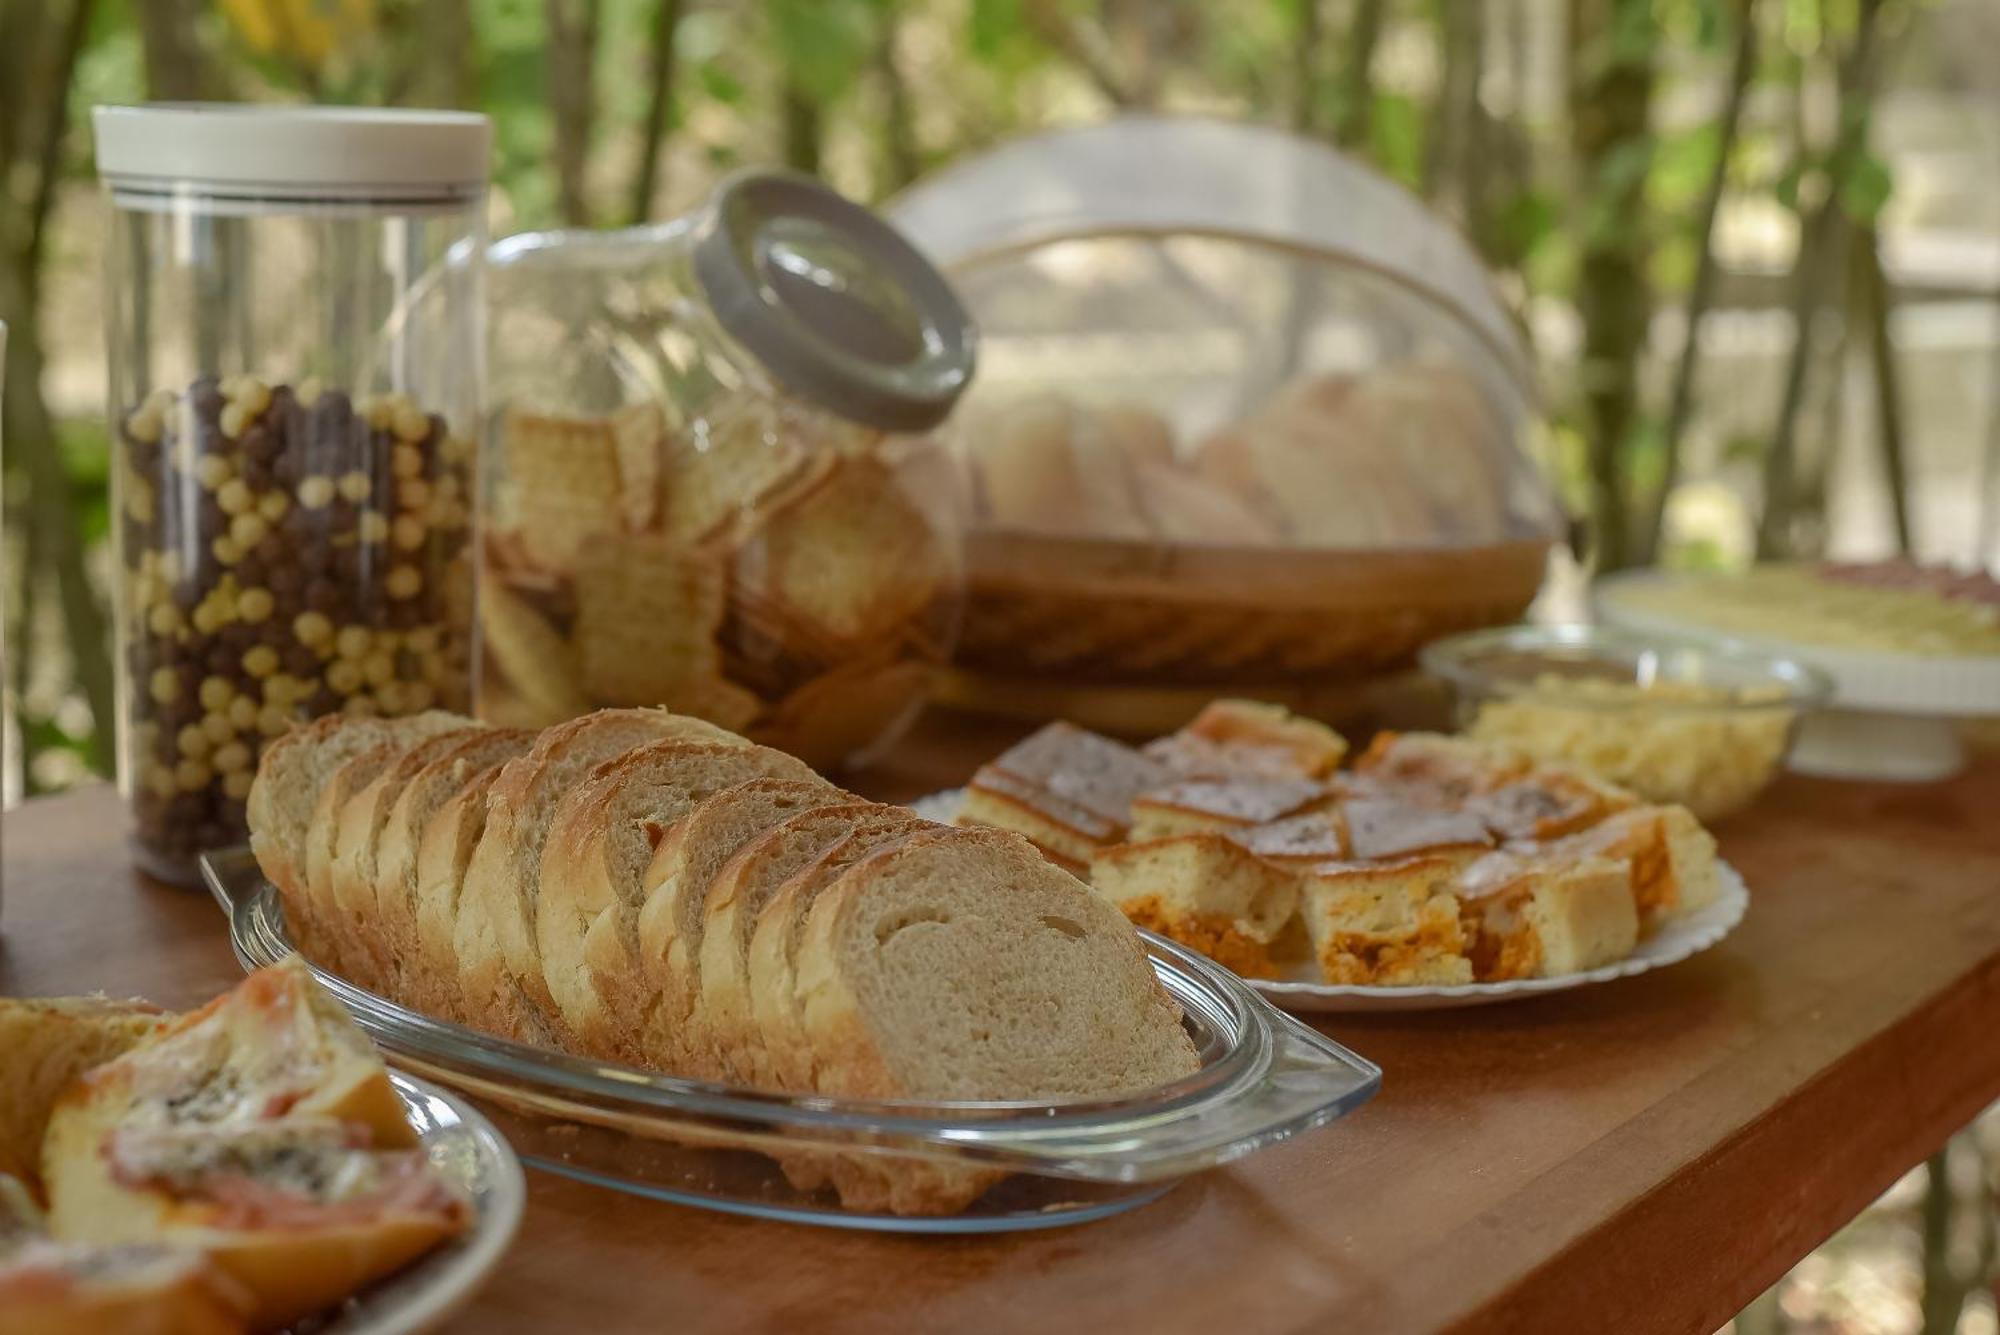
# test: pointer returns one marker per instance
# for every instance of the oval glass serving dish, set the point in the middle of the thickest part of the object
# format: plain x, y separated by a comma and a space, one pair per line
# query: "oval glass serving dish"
1264, 1077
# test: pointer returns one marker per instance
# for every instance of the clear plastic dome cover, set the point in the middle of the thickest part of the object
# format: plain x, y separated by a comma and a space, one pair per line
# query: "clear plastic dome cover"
1196, 332
1246, 412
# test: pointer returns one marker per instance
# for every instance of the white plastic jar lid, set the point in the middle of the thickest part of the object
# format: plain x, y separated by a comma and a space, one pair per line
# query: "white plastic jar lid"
255, 155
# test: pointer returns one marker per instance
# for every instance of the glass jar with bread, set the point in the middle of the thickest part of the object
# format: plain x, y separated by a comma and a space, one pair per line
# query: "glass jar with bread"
293, 335
712, 487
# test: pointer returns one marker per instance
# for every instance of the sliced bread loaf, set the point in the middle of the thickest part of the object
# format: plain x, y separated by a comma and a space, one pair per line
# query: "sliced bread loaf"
600, 842
774, 945
357, 834
960, 965
474, 759
671, 925
499, 966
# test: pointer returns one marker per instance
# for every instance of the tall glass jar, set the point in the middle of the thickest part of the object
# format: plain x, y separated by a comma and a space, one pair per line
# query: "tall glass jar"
294, 334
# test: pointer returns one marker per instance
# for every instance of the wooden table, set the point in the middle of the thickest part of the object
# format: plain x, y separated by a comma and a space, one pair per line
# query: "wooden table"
1647, 1155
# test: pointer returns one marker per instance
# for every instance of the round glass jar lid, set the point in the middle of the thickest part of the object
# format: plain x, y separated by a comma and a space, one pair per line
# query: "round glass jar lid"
839, 308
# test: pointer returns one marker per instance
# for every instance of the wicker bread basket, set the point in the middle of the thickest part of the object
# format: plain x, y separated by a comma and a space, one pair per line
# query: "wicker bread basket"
1106, 610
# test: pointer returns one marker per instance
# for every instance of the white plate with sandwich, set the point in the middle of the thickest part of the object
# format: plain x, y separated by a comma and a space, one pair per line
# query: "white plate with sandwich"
245, 1166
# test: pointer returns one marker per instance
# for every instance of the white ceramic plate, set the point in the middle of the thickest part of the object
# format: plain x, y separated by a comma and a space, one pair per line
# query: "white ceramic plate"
464, 1147
1677, 941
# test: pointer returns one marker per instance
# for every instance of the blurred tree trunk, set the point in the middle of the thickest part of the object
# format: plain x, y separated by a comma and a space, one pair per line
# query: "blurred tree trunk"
803, 127
176, 66
572, 36
36, 100
438, 60
1354, 109
1701, 295
1875, 302
1455, 153
1306, 42
901, 160
1086, 46
1813, 273
1610, 111
663, 68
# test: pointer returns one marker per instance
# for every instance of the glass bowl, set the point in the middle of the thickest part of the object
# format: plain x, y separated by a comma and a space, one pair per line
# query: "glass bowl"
1704, 725
1264, 1077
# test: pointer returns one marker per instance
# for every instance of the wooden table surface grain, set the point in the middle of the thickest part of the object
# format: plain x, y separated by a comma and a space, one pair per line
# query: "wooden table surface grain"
1642, 1156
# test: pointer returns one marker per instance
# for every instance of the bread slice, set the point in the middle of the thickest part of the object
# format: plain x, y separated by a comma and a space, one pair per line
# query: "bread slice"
1220, 804
55, 1288
1183, 508
562, 483
444, 851
780, 928
351, 876
290, 776
1532, 915
601, 841
729, 1045
1392, 924
675, 952
851, 559
398, 736
1203, 890
45, 1044
501, 985
475, 758
958, 964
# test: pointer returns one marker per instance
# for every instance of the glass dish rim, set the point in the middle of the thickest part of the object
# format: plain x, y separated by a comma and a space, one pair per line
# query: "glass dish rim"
450, 1048
1455, 659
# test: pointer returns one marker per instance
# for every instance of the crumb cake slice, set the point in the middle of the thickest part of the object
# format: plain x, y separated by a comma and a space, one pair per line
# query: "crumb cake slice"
1386, 924
1538, 914
1379, 828
1671, 859
1068, 790
1314, 750
1311, 836
1452, 769
1548, 802
1203, 890
1220, 804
